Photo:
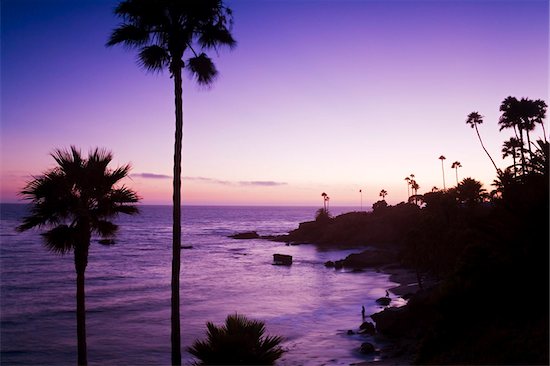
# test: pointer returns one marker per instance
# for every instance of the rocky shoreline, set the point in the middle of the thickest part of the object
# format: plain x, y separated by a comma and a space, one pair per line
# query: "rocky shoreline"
379, 340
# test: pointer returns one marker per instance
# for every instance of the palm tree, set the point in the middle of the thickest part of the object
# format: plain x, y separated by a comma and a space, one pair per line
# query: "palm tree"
470, 191
383, 194
455, 166
522, 115
164, 32
361, 194
509, 148
473, 120
324, 195
239, 342
75, 200
408, 180
443, 169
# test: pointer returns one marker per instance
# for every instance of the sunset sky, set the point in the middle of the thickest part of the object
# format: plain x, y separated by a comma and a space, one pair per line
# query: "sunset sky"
318, 96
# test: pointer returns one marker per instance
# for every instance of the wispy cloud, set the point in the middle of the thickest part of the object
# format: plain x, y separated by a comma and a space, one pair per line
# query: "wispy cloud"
151, 176
247, 183
261, 183
257, 183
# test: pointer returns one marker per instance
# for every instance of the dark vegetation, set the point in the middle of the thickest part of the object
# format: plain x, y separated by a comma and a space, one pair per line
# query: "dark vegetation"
488, 253
240, 341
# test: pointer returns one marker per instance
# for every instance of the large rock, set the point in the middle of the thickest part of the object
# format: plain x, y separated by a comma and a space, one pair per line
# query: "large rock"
245, 235
367, 348
369, 258
367, 328
282, 259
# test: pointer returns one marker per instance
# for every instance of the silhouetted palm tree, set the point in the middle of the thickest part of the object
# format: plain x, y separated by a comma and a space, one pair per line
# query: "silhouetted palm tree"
75, 200
239, 342
324, 195
164, 32
470, 191
509, 148
473, 120
455, 166
408, 180
443, 169
361, 194
522, 115
383, 194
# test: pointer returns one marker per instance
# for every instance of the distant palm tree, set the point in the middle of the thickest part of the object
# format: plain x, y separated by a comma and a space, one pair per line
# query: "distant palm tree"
510, 148
75, 200
361, 194
414, 188
239, 342
522, 115
164, 31
324, 195
443, 169
408, 180
473, 120
383, 194
470, 191
455, 166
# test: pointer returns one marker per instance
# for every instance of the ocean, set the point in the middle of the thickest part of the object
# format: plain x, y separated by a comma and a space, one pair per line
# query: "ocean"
128, 289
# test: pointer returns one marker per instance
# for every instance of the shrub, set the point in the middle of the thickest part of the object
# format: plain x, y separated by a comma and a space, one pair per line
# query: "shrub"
240, 341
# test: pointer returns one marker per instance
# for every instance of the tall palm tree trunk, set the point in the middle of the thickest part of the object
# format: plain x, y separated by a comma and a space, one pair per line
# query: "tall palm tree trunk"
543, 131
456, 172
486, 152
515, 162
176, 224
80, 263
522, 151
81, 319
443, 172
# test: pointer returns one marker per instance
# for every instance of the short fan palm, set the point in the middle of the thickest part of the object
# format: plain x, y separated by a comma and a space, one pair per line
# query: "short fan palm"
240, 341
75, 200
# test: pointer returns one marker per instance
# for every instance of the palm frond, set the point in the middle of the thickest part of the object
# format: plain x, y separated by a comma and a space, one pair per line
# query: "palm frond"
104, 228
129, 35
202, 69
154, 58
215, 35
61, 239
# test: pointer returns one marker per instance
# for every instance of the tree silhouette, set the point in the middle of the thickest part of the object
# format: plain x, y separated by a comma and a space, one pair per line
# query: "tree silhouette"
73, 201
455, 166
443, 169
239, 342
324, 195
164, 32
522, 115
470, 191
510, 148
383, 194
473, 120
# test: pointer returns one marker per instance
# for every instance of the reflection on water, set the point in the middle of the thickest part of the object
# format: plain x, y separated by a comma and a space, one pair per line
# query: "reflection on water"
128, 290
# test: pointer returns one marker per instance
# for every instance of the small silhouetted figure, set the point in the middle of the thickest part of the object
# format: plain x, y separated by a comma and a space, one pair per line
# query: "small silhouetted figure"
363, 311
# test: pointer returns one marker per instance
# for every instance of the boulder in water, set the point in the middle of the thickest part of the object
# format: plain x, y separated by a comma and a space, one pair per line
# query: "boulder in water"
367, 348
246, 235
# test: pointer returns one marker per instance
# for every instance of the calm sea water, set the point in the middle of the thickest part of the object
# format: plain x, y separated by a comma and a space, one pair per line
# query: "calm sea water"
128, 289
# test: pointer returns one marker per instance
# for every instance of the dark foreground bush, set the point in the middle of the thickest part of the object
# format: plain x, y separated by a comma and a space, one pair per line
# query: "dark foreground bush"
240, 341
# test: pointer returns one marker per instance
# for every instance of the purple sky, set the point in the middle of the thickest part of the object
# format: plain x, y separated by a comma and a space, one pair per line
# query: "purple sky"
331, 96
